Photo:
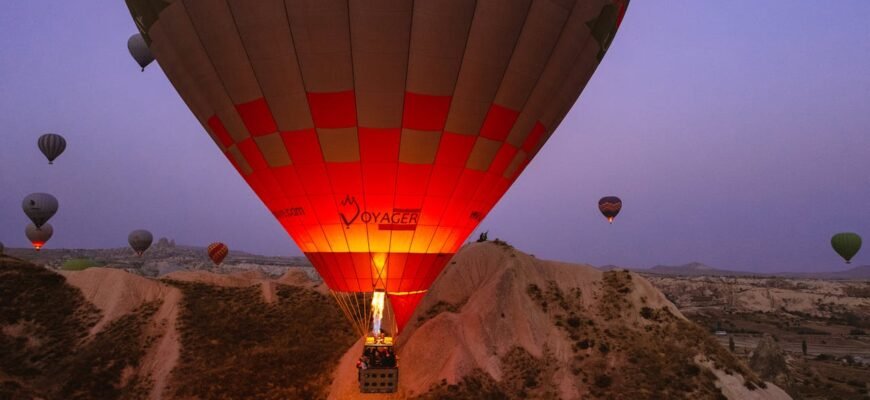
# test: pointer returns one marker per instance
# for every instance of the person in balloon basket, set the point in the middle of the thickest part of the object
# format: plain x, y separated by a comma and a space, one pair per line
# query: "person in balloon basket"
389, 358
360, 366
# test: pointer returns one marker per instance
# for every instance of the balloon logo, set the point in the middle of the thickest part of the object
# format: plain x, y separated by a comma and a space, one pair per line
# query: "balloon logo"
379, 144
846, 244
140, 240
609, 207
217, 252
51, 145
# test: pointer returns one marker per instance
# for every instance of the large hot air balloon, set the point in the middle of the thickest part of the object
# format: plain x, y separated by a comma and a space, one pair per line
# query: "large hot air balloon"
51, 145
39, 207
610, 206
139, 50
846, 244
379, 133
217, 251
38, 236
140, 240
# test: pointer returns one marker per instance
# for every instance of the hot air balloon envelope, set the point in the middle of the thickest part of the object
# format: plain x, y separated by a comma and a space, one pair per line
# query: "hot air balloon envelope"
38, 235
379, 134
139, 50
217, 252
140, 240
846, 244
39, 207
51, 145
610, 206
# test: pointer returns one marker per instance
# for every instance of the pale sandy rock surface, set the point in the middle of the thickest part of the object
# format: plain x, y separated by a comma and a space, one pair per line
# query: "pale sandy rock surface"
734, 386
746, 294
115, 292
486, 286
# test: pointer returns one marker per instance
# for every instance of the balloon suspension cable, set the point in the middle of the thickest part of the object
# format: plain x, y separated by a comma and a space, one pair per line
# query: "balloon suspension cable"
354, 307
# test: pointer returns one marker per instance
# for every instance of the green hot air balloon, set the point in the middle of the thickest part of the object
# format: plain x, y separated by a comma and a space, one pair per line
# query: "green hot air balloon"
846, 244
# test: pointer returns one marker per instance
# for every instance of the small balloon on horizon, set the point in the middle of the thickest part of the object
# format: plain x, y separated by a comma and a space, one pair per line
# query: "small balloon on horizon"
140, 240
217, 251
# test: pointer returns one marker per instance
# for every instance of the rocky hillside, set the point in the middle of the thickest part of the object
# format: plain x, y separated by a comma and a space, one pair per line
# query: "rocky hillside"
500, 324
820, 326
104, 333
497, 324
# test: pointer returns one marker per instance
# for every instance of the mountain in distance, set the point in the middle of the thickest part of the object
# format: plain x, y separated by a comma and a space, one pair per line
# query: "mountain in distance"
691, 269
701, 269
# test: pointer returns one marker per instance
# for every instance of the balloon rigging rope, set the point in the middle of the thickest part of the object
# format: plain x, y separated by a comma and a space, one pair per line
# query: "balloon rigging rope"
344, 304
359, 316
340, 305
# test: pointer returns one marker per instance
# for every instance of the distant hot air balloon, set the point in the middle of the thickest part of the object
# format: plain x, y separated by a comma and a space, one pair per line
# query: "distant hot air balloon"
1, 248
846, 244
140, 240
139, 50
38, 236
217, 251
610, 206
51, 145
379, 144
39, 207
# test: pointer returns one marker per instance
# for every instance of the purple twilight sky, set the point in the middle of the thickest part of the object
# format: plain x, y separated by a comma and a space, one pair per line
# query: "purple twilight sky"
737, 134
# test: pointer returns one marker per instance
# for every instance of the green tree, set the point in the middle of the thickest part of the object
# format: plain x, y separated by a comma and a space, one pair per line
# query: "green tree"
731, 343
804, 346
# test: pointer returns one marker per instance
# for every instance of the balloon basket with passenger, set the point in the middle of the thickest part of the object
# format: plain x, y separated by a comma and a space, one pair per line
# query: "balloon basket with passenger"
377, 366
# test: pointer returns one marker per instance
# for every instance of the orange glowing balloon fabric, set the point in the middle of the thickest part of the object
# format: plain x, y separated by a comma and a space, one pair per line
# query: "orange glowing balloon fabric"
379, 133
